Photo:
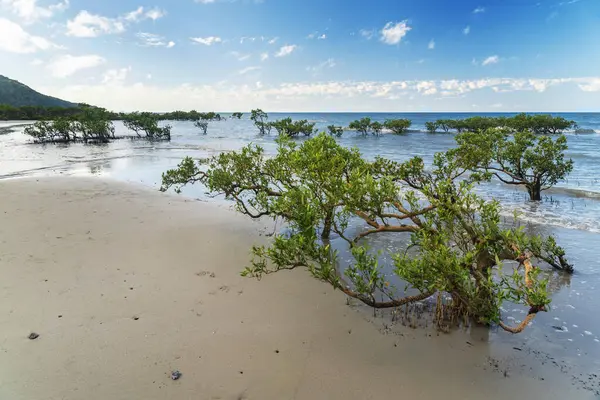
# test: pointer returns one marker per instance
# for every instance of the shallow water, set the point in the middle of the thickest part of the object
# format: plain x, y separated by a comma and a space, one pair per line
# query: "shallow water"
570, 211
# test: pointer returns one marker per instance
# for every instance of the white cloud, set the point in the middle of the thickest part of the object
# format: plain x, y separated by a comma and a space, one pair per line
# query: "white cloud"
86, 24
140, 14
115, 76
331, 95
286, 50
134, 15
208, 41
36, 62
491, 60
367, 34
15, 39
248, 69
149, 76
91, 25
431, 44
467, 30
392, 33
591, 85
264, 56
273, 41
155, 14
30, 11
152, 40
67, 65
204, 1
316, 35
479, 10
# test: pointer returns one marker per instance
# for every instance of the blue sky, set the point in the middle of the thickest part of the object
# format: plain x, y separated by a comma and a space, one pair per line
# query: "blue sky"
309, 55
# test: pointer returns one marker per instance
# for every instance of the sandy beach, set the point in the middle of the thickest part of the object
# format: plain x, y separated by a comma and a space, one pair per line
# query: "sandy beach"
124, 285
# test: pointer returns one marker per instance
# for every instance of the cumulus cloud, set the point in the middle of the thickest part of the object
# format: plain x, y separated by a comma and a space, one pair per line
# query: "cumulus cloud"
30, 11
431, 44
339, 95
92, 25
591, 85
479, 10
207, 41
86, 24
68, 65
392, 33
115, 76
264, 56
490, 60
467, 30
14, 39
286, 50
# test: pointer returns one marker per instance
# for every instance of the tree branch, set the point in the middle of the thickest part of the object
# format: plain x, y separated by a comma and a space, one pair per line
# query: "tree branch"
386, 304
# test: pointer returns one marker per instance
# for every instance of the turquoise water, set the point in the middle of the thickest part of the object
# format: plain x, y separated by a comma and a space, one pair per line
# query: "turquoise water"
573, 203
570, 211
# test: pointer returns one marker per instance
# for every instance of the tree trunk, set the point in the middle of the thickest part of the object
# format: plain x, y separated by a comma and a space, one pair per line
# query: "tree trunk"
535, 191
327, 225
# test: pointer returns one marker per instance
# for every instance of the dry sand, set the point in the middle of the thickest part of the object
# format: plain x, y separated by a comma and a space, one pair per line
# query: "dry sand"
124, 285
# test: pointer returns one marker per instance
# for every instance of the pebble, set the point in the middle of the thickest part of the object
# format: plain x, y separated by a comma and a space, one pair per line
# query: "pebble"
175, 375
33, 336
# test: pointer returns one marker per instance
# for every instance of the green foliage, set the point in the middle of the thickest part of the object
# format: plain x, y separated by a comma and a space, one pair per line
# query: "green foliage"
95, 125
397, 126
319, 187
432, 127
146, 123
336, 131
61, 130
376, 128
237, 115
535, 161
363, 125
538, 124
293, 128
260, 119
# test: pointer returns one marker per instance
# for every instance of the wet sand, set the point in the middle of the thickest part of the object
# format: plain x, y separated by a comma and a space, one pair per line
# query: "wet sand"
124, 285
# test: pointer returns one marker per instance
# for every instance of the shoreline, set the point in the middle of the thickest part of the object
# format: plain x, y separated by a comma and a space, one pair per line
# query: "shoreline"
82, 258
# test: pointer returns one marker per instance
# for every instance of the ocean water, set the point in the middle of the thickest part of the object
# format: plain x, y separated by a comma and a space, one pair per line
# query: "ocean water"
570, 211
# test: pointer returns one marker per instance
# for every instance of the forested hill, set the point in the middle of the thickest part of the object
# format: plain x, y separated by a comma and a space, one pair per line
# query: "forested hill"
16, 94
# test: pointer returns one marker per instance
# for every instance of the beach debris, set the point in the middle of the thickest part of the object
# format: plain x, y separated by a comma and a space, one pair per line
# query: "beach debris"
277, 351
175, 375
136, 318
33, 336
517, 348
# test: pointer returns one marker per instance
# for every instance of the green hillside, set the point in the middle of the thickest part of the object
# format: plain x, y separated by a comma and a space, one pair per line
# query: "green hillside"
16, 94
